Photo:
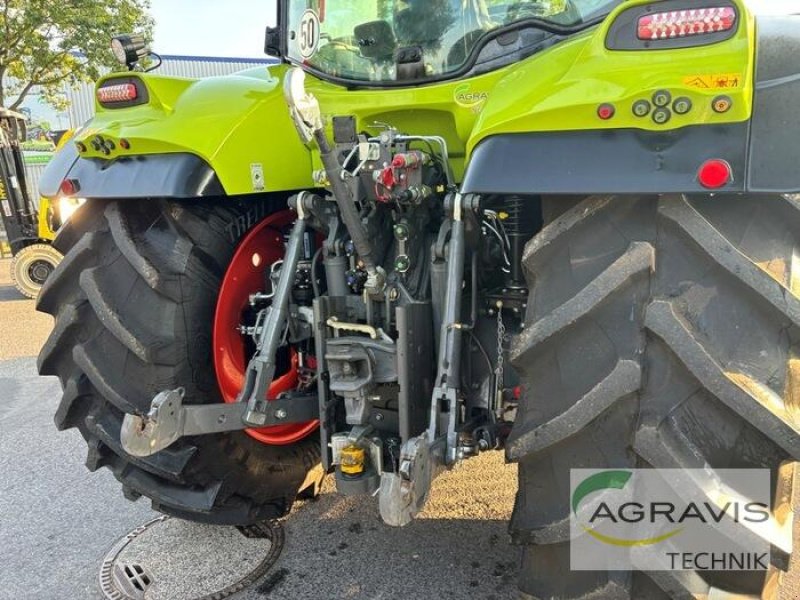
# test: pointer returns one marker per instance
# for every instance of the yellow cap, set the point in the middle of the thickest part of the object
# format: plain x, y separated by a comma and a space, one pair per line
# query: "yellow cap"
353, 460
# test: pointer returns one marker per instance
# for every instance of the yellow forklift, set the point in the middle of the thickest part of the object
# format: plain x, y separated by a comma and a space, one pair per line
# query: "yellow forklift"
29, 231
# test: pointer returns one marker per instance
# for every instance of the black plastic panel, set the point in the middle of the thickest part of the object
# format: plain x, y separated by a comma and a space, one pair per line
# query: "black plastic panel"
774, 164
597, 162
416, 362
57, 169
162, 176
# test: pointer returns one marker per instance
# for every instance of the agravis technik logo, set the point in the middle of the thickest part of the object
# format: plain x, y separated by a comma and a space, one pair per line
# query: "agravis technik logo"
670, 519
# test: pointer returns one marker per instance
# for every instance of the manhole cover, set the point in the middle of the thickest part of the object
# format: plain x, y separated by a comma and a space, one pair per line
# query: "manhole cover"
170, 559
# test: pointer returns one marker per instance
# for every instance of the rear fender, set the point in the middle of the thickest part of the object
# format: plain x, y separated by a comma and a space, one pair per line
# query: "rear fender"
761, 146
773, 161
177, 175
218, 136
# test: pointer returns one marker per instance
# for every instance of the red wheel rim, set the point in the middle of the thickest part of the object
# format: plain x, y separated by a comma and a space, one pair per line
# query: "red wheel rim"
262, 247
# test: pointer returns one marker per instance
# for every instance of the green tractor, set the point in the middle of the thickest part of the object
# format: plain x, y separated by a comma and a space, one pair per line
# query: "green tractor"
564, 229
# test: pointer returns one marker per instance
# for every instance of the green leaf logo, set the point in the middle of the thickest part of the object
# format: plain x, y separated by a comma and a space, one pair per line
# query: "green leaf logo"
606, 480
611, 480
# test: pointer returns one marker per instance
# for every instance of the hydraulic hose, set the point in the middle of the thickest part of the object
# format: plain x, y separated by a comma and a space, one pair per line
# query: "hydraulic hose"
307, 117
344, 200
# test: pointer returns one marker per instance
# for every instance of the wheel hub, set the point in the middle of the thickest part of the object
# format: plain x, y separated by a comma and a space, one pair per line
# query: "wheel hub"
39, 271
263, 246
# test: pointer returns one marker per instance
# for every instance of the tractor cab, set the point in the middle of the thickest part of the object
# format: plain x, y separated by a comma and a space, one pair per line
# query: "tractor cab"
391, 42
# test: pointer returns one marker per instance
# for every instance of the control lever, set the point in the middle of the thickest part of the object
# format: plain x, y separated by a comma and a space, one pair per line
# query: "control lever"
261, 369
305, 111
403, 494
169, 420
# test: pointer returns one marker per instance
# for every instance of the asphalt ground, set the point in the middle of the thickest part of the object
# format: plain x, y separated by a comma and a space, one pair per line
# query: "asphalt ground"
58, 520
22, 329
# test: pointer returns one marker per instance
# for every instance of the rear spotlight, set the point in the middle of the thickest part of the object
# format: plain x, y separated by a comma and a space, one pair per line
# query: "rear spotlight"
129, 49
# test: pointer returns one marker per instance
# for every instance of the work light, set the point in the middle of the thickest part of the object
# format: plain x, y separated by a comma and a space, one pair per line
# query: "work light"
129, 49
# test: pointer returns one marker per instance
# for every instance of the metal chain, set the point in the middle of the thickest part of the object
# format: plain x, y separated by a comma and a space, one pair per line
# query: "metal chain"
499, 370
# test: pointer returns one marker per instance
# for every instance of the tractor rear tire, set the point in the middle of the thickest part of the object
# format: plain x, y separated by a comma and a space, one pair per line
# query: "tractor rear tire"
661, 332
31, 267
134, 303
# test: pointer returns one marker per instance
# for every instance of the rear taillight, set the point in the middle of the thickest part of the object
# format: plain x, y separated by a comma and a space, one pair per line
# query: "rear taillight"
69, 187
684, 23
121, 92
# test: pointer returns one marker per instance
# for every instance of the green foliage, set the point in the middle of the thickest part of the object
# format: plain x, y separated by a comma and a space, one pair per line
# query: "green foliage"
47, 44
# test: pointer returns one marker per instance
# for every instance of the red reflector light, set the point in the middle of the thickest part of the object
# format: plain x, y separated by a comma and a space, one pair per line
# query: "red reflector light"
606, 111
69, 187
683, 23
121, 92
715, 174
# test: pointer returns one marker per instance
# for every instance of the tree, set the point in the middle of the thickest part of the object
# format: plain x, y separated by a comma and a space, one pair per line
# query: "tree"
46, 44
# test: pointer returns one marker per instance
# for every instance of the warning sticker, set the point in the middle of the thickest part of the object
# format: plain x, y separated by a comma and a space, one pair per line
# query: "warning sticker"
257, 177
309, 34
718, 81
